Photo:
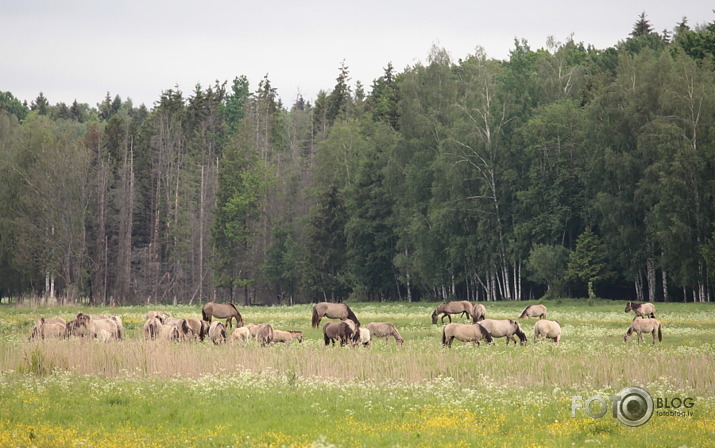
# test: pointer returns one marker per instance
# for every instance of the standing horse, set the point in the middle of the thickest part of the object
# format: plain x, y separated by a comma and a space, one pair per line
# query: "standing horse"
226, 311
385, 330
547, 329
641, 326
217, 333
641, 309
479, 312
504, 328
333, 311
464, 332
534, 311
287, 336
446, 309
338, 331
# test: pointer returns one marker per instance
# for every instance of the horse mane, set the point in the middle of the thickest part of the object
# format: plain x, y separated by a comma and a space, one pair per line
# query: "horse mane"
487, 336
352, 316
523, 313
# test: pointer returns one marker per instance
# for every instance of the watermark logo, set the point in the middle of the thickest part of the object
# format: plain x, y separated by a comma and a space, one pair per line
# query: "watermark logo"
633, 406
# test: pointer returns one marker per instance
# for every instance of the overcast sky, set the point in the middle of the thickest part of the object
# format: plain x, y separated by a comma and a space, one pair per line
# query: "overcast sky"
82, 49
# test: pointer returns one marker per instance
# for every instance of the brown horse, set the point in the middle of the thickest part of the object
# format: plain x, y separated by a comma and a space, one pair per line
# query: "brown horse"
504, 328
547, 329
464, 332
226, 311
53, 327
479, 312
446, 309
385, 330
338, 331
534, 311
641, 326
641, 309
199, 326
332, 311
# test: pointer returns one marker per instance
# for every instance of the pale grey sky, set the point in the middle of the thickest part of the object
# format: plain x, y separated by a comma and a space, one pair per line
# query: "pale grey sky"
82, 49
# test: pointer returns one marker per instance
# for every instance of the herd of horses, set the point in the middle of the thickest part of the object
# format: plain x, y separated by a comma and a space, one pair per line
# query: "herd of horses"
345, 329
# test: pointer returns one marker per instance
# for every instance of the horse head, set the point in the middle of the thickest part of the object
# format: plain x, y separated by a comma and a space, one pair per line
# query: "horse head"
629, 306
434, 316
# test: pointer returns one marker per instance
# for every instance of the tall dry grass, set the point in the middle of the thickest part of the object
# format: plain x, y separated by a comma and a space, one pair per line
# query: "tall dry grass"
566, 366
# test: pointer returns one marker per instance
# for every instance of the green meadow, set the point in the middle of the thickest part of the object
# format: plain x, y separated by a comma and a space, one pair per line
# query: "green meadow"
136, 393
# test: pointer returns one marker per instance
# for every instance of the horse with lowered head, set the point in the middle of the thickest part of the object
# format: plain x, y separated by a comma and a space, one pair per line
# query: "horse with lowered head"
338, 331
534, 311
547, 329
504, 328
385, 330
641, 309
464, 332
333, 311
640, 326
446, 309
226, 311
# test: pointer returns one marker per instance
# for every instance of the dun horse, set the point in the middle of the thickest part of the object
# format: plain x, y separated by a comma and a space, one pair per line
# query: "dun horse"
226, 311
465, 333
332, 311
504, 328
534, 311
385, 330
217, 333
446, 309
641, 309
479, 312
641, 326
547, 329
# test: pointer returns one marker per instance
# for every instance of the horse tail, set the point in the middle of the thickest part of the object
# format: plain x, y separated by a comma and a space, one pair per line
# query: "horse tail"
486, 334
352, 316
660, 332
204, 315
316, 319
444, 335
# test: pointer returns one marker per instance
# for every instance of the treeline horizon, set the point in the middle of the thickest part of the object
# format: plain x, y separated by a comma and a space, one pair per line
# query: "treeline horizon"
564, 171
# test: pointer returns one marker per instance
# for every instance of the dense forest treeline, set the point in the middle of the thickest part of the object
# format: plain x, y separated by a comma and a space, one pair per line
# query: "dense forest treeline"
567, 170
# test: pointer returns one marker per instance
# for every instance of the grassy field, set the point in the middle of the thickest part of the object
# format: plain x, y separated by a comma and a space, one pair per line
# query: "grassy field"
134, 393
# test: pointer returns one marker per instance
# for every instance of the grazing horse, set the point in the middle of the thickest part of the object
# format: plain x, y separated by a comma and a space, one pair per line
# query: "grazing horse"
152, 327
385, 330
333, 311
641, 309
338, 331
479, 312
464, 332
168, 332
504, 328
287, 336
217, 333
446, 309
53, 327
365, 336
85, 325
199, 326
242, 334
534, 311
547, 329
226, 311
264, 334
641, 326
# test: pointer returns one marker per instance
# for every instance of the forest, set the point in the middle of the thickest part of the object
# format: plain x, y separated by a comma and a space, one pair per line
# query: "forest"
567, 171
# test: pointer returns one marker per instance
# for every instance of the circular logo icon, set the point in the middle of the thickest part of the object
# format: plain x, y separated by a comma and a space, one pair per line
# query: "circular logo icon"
635, 407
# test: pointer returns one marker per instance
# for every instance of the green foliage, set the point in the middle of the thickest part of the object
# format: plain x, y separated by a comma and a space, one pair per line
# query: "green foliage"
547, 265
587, 262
